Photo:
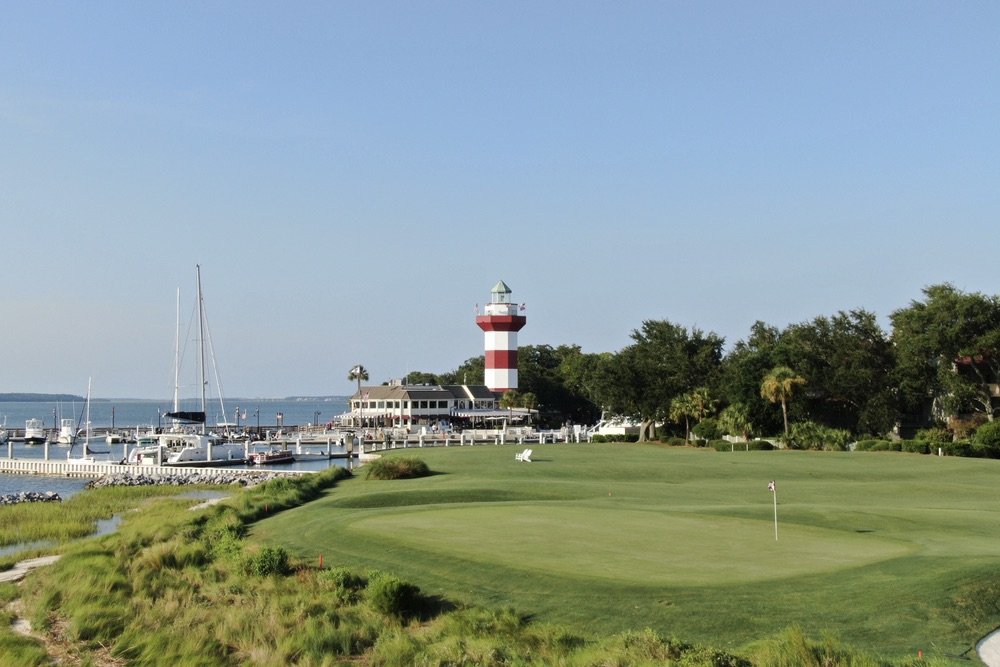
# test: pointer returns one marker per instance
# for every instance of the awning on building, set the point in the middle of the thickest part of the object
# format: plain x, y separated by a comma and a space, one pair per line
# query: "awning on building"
514, 413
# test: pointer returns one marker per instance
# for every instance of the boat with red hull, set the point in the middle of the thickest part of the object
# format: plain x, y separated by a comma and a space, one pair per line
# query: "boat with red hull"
272, 457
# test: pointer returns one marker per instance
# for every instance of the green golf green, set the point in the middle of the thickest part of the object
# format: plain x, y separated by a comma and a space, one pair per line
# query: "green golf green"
627, 545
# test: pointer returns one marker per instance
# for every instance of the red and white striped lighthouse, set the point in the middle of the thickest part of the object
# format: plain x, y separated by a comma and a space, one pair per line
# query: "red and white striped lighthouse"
501, 324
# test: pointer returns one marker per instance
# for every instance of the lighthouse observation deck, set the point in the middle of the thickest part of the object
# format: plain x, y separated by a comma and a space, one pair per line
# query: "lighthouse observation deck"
501, 309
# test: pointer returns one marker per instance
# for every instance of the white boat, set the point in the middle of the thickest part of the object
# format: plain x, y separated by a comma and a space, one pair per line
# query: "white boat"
185, 442
185, 448
34, 432
67, 432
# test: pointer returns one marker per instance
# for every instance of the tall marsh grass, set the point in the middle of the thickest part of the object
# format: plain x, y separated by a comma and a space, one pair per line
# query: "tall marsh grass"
74, 518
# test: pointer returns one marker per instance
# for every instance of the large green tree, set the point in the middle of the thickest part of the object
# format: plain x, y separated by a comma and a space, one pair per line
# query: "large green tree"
580, 374
849, 361
948, 351
743, 368
546, 372
664, 361
471, 372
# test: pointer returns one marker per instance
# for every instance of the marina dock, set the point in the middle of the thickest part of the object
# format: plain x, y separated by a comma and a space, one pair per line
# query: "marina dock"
94, 470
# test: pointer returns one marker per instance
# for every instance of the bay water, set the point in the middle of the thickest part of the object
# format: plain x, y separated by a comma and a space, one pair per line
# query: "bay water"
129, 414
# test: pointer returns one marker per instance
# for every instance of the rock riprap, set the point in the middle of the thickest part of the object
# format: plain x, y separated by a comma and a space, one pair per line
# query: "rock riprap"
29, 497
215, 477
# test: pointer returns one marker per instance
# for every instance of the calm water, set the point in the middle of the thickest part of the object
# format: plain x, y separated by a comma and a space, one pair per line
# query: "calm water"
125, 413
131, 413
64, 486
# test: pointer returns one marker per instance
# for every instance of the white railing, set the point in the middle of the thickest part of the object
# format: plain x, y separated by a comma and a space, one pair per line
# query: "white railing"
65, 469
469, 437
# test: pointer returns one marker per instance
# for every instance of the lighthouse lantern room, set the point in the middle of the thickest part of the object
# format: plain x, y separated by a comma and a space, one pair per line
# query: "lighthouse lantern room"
501, 323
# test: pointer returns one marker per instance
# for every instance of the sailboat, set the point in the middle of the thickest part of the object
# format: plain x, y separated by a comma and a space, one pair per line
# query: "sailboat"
86, 457
187, 442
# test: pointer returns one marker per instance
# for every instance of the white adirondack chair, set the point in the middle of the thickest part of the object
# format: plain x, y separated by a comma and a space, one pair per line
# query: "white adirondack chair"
523, 456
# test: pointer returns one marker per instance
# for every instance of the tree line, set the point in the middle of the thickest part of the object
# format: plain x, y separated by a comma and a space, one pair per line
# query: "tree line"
939, 366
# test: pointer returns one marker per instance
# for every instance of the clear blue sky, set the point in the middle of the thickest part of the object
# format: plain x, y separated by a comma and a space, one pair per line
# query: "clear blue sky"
353, 177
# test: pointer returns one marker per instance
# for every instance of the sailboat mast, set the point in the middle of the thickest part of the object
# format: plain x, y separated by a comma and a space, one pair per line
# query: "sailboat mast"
86, 442
201, 346
177, 354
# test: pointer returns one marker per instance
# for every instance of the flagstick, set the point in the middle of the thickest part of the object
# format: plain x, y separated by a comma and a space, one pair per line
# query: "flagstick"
775, 494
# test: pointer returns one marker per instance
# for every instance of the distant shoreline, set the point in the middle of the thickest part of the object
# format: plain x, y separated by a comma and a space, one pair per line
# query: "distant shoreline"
65, 398
39, 398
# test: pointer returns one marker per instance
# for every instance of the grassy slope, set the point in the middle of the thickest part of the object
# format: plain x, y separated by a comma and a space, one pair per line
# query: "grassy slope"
611, 537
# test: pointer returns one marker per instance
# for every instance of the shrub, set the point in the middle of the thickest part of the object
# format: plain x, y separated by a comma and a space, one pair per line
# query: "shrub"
960, 448
983, 452
390, 595
347, 586
608, 437
934, 434
760, 445
270, 560
708, 429
672, 440
749, 446
988, 435
396, 467
876, 445
916, 446
810, 435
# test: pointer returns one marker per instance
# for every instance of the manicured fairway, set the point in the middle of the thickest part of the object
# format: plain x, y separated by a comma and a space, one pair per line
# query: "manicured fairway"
893, 553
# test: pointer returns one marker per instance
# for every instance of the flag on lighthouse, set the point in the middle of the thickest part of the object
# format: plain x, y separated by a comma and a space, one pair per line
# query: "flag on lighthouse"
770, 485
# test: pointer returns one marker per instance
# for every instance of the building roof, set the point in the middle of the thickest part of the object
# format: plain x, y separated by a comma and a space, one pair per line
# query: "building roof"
501, 287
476, 392
426, 392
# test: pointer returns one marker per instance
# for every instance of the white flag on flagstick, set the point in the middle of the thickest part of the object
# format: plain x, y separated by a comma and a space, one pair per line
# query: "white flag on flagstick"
770, 485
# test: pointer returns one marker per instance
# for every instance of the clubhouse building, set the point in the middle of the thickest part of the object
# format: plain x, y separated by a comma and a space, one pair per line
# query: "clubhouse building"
402, 406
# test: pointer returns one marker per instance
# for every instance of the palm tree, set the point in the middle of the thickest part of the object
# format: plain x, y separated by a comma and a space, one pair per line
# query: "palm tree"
735, 419
779, 385
696, 404
358, 373
682, 409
